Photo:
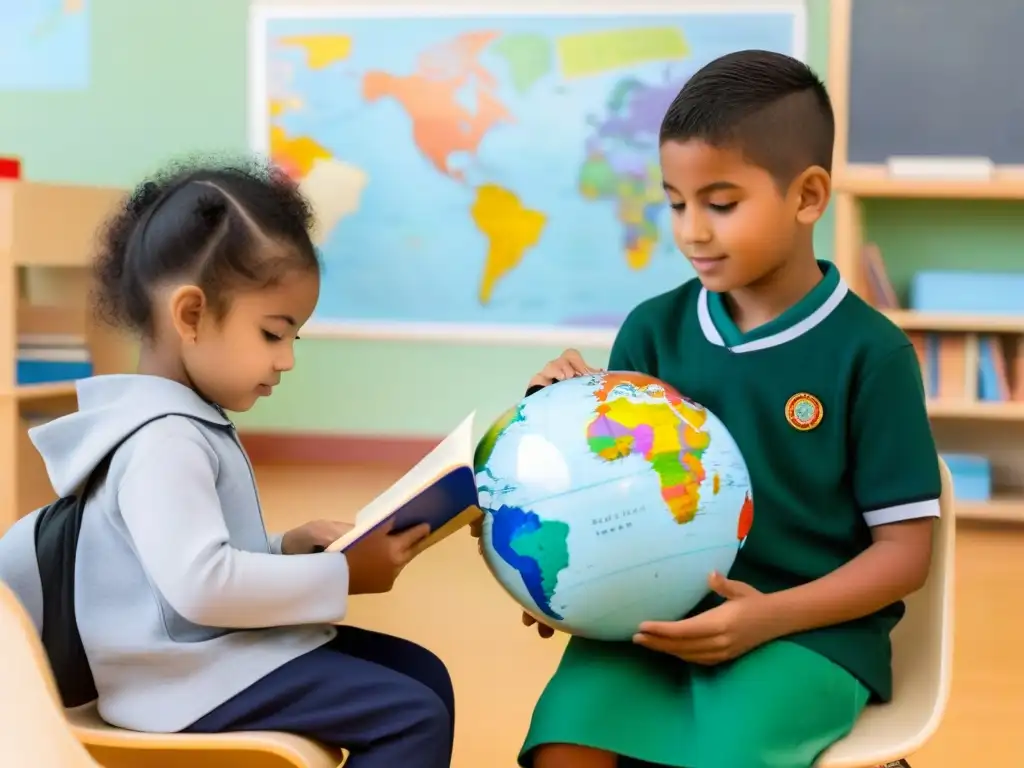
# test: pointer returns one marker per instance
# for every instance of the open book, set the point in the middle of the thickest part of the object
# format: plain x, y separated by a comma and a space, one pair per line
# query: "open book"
439, 490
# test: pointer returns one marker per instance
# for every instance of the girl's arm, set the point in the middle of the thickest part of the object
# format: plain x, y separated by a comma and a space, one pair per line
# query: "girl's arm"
168, 500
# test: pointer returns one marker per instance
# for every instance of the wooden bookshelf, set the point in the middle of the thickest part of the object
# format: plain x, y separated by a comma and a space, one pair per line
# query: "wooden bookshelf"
47, 237
909, 320
967, 409
863, 181
1002, 509
994, 429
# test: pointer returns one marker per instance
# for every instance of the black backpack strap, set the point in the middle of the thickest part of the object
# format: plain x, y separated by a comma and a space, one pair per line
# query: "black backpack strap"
57, 529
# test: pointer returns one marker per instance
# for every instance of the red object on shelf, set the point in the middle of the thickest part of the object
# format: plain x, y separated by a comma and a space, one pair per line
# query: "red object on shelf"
10, 168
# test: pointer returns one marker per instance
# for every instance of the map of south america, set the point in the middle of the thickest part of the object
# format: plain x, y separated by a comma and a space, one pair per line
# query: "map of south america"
538, 549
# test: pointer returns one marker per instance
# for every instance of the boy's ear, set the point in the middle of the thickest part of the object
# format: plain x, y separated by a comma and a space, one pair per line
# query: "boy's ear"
813, 190
187, 304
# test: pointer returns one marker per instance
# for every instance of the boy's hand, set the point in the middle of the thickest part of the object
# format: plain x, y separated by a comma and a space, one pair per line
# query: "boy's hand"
542, 629
725, 632
375, 561
313, 536
475, 529
568, 365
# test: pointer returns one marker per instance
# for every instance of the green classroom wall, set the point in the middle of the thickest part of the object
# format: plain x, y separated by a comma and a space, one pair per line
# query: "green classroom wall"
169, 78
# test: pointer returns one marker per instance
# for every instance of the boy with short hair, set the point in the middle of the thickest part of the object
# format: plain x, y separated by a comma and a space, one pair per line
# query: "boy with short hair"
824, 397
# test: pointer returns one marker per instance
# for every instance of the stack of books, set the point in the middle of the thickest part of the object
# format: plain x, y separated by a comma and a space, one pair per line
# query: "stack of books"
46, 358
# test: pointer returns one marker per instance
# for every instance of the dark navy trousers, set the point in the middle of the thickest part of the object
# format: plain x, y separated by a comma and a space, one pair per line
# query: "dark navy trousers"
388, 701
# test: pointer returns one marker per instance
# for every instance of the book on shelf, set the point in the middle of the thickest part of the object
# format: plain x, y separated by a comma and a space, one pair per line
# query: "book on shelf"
881, 292
1017, 392
968, 367
44, 358
993, 380
440, 491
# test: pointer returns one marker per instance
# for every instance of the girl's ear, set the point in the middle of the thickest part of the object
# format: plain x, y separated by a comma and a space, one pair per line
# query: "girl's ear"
187, 305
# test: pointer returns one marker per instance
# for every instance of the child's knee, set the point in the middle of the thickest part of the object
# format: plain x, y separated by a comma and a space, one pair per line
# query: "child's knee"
572, 756
434, 675
429, 714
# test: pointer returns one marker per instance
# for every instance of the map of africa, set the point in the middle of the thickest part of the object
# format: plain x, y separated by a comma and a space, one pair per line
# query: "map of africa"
489, 172
44, 45
575, 468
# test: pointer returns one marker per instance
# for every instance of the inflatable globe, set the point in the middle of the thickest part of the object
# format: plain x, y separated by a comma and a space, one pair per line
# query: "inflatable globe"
608, 500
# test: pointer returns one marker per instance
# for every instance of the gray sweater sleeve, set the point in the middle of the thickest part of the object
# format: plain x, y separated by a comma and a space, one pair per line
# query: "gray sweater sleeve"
168, 499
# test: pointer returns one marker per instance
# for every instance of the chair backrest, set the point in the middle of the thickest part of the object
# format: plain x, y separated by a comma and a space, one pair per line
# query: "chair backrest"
34, 732
923, 641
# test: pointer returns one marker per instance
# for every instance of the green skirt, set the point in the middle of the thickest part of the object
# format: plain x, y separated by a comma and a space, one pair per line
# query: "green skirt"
779, 706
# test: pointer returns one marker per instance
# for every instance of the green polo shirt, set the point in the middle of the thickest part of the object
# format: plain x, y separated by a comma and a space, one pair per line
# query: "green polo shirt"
828, 409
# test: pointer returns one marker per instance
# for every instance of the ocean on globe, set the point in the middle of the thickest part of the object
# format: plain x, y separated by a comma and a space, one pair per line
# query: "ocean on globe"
608, 500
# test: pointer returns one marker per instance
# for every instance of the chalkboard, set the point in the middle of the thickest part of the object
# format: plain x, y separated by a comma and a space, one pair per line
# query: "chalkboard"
937, 77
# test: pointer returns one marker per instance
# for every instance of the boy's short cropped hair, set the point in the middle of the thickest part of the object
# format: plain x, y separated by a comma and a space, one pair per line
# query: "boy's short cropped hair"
769, 106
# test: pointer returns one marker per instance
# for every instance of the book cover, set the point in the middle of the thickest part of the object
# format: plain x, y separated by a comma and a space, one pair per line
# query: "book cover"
992, 383
952, 375
1018, 370
440, 490
972, 373
883, 295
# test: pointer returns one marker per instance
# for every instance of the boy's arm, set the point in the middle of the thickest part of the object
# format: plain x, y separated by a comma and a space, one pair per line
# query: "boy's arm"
896, 481
894, 566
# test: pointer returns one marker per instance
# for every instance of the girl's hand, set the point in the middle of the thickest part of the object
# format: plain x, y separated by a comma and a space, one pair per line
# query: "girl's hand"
375, 561
568, 365
722, 633
313, 536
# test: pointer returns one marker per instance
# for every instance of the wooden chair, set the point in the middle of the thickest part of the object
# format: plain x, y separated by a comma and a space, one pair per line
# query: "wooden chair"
37, 732
922, 664
33, 731
252, 749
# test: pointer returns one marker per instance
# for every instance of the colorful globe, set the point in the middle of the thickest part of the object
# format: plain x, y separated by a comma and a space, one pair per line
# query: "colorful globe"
608, 500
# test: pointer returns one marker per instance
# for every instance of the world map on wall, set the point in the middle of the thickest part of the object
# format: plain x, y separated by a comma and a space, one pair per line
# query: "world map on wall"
491, 172
44, 45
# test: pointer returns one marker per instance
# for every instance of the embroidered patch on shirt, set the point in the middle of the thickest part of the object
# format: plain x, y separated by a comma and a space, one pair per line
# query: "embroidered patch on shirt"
804, 411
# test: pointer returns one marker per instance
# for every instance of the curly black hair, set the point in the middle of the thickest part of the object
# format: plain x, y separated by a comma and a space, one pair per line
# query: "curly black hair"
220, 226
